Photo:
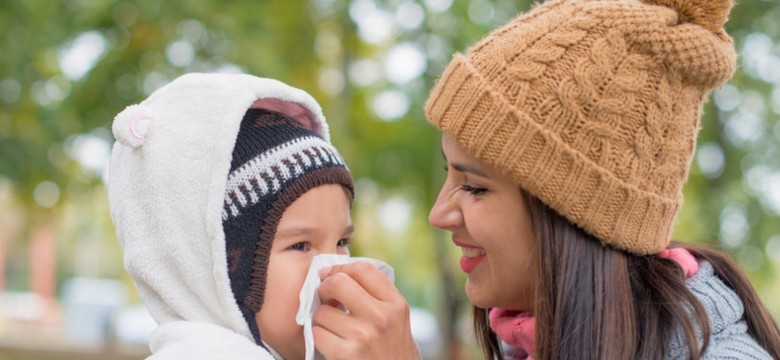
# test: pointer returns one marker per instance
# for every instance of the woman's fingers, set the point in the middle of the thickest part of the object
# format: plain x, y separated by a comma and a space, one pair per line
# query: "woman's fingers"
330, 345
376, 325
368, 277
342, 289
333, 320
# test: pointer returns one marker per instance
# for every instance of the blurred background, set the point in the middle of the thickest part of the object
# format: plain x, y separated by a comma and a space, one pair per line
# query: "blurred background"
67, 67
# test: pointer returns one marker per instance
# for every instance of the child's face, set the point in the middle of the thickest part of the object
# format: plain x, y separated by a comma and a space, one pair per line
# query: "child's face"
316, 223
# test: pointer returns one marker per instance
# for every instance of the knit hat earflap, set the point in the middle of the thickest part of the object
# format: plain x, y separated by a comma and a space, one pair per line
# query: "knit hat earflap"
593, 107
276, 159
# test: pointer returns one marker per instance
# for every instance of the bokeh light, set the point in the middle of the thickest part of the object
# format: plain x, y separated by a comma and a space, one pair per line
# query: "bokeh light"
79, 56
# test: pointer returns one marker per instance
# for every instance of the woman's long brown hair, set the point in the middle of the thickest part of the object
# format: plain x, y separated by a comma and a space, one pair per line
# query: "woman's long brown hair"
596, 302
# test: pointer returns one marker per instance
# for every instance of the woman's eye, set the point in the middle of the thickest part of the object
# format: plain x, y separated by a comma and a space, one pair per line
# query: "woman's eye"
343, 243
473, 190
301, 246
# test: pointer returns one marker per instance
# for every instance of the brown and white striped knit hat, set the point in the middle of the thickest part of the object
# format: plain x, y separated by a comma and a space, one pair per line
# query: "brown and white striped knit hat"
593, 107
275, 161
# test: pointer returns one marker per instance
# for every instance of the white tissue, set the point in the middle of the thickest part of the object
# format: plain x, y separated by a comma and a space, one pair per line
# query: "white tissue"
309, 301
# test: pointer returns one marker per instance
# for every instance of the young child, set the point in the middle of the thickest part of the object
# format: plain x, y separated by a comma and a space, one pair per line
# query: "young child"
222, 189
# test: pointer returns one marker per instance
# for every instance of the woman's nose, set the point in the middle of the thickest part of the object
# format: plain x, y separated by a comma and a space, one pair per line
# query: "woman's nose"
445, 214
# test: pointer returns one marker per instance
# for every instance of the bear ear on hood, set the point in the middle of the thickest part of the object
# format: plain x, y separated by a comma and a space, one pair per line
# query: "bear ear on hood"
131, 125
290, 109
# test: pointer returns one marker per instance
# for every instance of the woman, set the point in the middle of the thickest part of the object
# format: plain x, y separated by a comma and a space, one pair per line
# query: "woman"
568, 135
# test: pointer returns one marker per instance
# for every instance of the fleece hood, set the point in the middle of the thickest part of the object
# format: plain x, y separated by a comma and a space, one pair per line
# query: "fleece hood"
167, 181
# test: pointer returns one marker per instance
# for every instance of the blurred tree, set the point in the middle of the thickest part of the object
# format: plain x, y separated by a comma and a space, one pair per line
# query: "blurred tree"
68, 67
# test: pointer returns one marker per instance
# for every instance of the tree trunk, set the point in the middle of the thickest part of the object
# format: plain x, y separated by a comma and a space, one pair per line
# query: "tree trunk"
43, 269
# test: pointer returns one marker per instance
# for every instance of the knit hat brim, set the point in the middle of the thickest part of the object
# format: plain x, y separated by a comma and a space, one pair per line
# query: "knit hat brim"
462, 107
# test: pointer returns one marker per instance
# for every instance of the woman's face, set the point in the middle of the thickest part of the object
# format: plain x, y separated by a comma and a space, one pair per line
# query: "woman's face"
489, 220
316, 223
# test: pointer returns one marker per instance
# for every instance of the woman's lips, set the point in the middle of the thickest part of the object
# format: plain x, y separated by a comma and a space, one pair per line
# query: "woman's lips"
472, 256
468, 264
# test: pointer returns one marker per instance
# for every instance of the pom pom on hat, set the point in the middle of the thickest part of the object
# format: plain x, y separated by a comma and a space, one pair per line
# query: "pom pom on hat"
710, 14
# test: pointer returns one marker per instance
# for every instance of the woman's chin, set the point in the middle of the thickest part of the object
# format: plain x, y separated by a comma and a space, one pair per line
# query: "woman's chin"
477, 296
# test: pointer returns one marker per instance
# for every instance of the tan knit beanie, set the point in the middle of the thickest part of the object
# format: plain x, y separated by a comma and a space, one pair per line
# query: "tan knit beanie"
592, 106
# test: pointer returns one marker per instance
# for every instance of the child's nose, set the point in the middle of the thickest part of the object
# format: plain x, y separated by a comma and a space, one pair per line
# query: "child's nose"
329, 249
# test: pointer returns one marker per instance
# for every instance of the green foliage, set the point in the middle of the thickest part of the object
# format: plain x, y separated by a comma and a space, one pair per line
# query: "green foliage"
46, 113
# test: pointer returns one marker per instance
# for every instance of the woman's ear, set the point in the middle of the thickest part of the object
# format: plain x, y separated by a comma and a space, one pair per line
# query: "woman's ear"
290, 109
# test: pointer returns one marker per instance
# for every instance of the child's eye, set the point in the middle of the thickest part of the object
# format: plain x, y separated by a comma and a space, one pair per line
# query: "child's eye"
343, 242
473, 190
301, 246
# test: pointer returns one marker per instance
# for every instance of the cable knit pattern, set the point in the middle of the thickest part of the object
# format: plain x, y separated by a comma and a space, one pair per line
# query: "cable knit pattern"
592, 106
729, 339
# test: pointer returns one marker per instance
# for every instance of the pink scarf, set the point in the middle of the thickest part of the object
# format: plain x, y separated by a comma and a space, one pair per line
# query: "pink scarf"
683, 257
517, 328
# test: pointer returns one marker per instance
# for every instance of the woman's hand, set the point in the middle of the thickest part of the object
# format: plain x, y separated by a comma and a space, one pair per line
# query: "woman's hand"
376, 325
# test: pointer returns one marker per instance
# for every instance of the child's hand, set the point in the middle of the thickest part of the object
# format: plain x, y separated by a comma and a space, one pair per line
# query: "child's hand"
376, 325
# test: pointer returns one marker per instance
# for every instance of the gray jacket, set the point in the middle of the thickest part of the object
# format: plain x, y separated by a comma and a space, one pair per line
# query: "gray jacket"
729, 339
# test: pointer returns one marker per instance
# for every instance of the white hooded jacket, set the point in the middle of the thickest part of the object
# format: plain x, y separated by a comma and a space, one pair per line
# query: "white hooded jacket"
167, 180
